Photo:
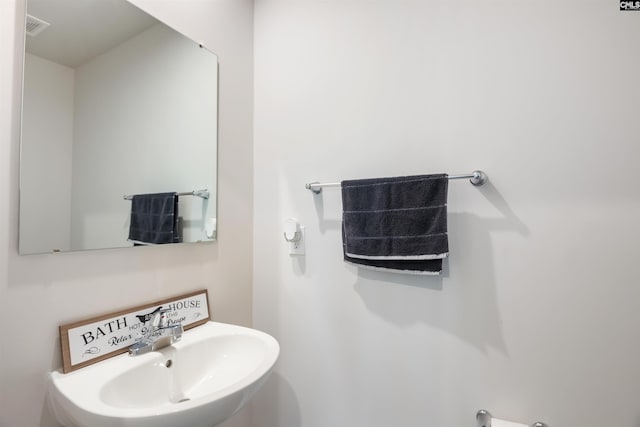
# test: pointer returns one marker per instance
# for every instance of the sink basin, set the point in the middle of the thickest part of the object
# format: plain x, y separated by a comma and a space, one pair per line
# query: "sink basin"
199, 381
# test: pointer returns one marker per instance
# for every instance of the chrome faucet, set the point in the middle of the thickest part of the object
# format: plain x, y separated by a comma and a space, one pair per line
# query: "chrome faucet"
157, 335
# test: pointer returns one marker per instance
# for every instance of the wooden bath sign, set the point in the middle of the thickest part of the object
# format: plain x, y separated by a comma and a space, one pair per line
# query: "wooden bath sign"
93, 340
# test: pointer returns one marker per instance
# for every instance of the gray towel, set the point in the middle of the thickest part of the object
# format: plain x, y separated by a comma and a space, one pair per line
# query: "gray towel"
397, 224
154, 219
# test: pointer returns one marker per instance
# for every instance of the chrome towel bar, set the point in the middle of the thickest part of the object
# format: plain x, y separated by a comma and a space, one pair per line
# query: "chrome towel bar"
199, 193
476, 177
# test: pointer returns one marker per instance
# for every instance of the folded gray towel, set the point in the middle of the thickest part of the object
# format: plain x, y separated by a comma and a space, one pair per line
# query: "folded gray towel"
154, 218
396, 224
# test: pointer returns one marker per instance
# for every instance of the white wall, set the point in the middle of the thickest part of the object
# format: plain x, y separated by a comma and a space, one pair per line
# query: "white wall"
536, 316
145, 123
47, 139
40, 292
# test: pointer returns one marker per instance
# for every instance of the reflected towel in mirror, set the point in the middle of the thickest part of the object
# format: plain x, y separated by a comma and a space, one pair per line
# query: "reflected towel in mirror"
154, 219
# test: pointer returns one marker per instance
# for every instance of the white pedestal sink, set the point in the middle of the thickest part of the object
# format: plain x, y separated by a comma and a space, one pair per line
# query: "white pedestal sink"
197, 382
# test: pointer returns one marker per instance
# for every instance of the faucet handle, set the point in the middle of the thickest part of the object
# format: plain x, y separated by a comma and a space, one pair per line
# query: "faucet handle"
155, 320
158, 320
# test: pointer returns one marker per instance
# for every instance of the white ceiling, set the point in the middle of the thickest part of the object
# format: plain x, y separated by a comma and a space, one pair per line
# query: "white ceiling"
83, 29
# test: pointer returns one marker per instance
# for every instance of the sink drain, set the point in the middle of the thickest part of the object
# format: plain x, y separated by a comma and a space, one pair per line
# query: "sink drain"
183, 400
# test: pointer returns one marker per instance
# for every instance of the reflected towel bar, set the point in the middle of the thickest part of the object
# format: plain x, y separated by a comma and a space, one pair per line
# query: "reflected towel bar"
200, 193
476, 178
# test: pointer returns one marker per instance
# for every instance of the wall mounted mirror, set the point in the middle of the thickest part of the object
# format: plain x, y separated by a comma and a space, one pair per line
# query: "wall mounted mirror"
115, 104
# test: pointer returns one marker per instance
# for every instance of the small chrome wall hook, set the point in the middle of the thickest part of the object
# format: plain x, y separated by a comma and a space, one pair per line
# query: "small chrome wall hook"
292, 230
294, 235
295, 238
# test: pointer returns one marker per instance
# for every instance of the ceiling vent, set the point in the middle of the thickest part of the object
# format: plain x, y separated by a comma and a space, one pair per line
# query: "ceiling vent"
35, 25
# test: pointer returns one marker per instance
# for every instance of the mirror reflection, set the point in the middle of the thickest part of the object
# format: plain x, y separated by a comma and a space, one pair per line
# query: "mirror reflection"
117, 107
